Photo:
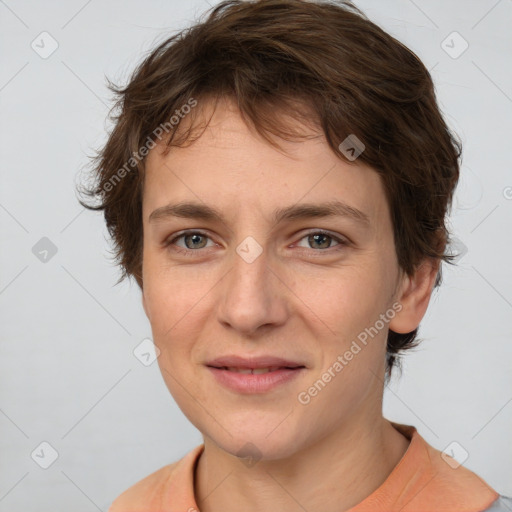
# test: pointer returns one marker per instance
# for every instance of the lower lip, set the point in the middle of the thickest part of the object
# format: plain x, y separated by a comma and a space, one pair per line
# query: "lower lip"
254, 383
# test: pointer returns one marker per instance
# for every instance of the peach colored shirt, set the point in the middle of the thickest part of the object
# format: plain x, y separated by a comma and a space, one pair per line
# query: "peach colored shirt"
422, 481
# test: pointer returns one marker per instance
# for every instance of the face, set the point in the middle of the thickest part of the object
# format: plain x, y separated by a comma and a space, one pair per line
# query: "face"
257, 282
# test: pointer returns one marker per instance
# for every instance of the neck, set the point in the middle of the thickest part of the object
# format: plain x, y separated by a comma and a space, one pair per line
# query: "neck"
332, 475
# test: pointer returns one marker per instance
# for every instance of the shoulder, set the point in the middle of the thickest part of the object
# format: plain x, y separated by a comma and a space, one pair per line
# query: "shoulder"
147, 491
436, 481
456, 486
502, 504
171, 485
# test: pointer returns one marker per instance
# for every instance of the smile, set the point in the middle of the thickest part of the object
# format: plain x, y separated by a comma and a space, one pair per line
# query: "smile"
254, 380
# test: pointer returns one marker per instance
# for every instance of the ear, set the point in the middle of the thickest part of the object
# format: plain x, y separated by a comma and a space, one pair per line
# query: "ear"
414, 296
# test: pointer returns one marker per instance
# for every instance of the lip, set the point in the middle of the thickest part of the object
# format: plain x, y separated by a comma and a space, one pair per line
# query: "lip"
284, 371
248, 383
265, 361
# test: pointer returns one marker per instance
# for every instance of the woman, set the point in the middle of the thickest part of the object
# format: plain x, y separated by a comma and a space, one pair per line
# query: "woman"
268, 128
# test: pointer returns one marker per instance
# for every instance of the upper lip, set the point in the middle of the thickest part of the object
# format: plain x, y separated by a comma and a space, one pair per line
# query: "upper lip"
253, 362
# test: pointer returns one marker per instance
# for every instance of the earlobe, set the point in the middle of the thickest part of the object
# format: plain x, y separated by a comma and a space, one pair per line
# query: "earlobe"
414, 297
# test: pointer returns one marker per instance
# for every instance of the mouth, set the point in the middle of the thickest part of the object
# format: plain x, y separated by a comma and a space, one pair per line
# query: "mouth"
255, 371
240, 363
255, 379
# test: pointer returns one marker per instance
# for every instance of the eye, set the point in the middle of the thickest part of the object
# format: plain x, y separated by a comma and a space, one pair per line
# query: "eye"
193, 241
196, 240
322, 240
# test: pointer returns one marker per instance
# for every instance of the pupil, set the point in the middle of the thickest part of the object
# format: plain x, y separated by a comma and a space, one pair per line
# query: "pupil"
320, 236
195, 239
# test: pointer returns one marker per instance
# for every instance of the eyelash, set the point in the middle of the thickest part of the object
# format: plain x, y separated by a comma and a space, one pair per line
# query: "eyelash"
169, 242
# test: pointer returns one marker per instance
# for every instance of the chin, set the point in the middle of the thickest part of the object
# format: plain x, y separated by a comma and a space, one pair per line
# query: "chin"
254, 444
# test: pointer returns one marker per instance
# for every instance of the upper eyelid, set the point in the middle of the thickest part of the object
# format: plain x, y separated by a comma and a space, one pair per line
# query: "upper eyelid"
173, 238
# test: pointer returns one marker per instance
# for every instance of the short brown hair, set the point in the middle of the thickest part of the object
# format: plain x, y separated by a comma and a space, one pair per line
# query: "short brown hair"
354, 78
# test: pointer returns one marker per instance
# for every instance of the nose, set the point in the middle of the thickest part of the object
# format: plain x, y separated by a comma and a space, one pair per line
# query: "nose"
252, 296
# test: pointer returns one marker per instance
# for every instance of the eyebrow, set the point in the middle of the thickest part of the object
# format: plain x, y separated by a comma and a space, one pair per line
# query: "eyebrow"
193, 210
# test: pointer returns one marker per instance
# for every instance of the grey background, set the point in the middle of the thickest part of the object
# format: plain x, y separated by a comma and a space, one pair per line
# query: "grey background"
68, 375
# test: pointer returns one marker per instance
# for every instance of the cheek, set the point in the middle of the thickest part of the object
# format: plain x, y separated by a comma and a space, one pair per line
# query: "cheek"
172, 295
176, 299
346, 301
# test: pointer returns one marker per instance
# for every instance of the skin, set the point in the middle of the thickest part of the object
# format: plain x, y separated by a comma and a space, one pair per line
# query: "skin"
299, 299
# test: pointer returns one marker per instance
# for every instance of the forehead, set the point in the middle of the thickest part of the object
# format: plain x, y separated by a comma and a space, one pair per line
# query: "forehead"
231, 166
